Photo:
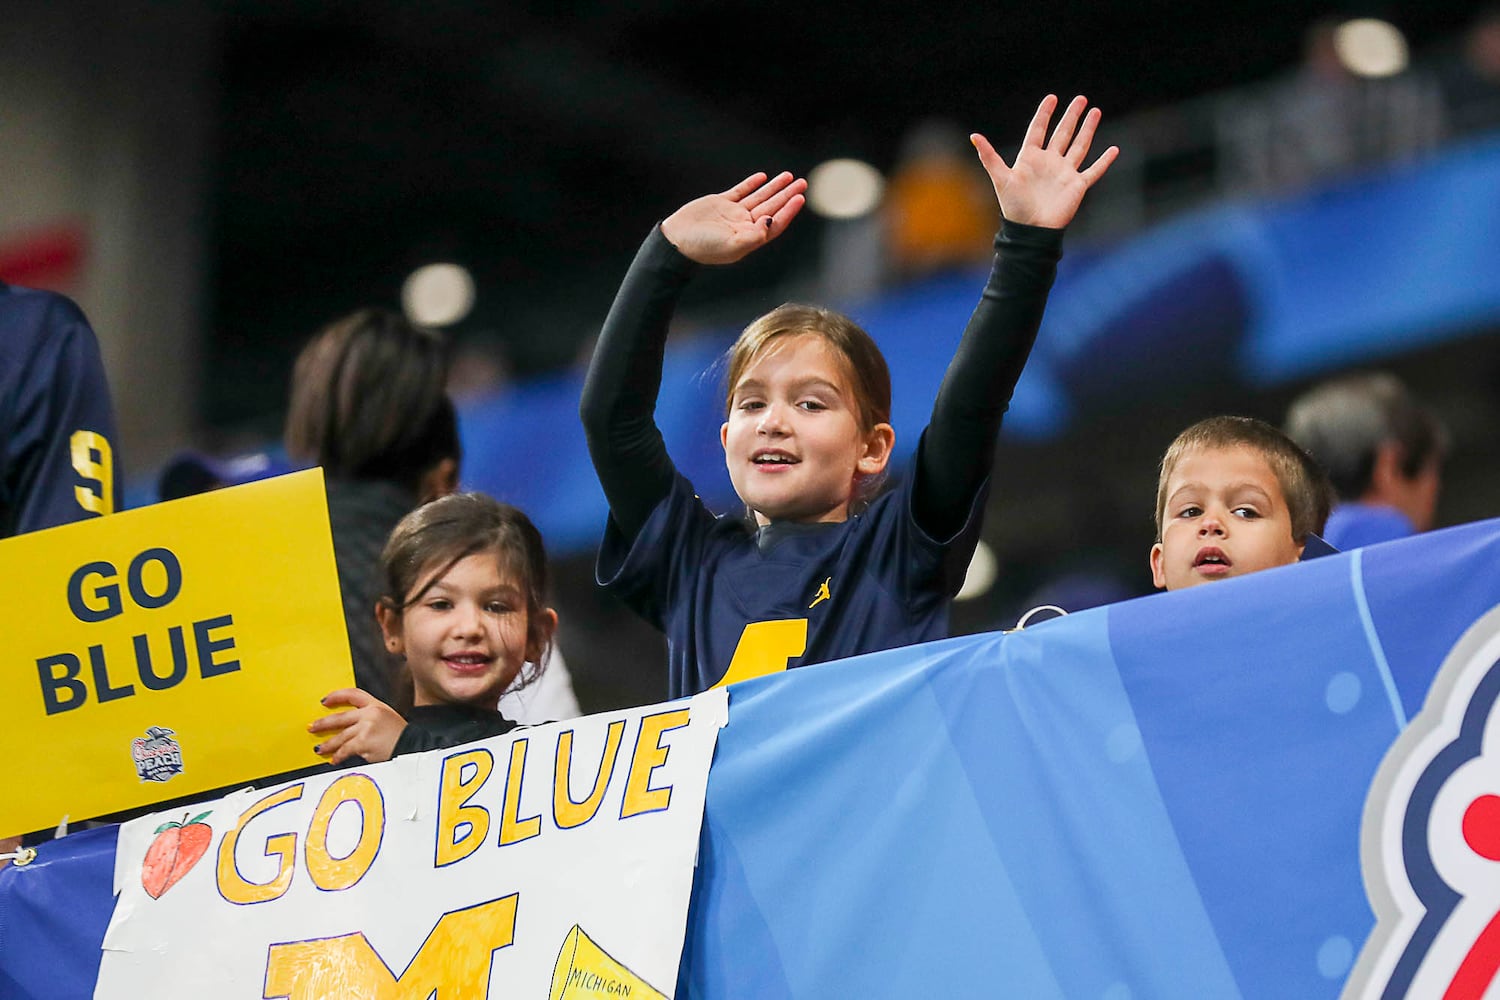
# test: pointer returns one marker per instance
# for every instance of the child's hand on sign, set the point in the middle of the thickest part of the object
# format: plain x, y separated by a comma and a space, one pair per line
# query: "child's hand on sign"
369, 727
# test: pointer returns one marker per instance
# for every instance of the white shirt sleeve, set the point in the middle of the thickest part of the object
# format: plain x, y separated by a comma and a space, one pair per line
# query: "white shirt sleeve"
549, 699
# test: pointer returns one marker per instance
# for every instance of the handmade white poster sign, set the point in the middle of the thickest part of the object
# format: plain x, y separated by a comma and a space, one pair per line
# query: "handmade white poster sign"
555, 862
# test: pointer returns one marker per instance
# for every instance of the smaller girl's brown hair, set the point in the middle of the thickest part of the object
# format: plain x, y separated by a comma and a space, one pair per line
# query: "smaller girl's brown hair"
430, 540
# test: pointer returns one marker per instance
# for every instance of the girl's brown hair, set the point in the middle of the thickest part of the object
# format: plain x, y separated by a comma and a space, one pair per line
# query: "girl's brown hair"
433, 538
869, 376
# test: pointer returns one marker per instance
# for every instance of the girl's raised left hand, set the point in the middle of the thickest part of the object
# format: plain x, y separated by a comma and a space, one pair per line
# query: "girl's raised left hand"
1048, 181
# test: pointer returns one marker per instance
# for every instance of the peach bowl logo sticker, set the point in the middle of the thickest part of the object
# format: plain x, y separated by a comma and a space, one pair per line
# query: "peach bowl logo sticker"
157, 756
1430, 841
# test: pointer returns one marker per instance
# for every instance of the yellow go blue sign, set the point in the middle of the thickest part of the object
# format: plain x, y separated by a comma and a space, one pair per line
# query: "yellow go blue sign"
167, 651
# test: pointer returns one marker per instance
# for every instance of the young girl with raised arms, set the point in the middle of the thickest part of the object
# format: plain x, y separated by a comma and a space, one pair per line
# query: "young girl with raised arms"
464, 606
818, 568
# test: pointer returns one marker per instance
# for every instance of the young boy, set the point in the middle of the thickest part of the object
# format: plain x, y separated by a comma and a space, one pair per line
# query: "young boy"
1235, 496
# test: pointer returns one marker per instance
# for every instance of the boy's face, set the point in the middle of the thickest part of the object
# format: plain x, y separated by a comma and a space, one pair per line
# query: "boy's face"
1225, 516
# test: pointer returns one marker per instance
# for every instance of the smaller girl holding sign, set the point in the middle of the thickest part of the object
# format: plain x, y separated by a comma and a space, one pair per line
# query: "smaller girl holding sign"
463, 604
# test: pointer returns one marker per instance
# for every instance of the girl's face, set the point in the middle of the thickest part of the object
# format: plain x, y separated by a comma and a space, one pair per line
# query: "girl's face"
792, 442
465, 639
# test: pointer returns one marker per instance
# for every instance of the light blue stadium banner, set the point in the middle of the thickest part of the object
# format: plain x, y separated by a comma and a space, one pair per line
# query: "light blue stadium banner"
1155, 799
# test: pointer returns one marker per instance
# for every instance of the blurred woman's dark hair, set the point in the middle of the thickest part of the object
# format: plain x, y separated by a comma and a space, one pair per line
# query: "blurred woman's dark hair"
368, 400
369, 404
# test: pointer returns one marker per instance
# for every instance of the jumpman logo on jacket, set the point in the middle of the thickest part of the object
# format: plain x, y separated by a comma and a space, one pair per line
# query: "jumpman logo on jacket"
822, 595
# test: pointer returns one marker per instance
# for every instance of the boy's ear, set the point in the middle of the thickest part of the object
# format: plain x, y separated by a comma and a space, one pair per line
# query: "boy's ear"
878, 445
541, 632
390, 628
723, 435
1158, 574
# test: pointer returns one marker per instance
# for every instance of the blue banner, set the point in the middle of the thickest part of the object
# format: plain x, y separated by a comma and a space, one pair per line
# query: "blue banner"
1159, 798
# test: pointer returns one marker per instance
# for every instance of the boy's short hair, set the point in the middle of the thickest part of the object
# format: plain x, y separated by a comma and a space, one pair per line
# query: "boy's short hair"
1343, 423
1304, 485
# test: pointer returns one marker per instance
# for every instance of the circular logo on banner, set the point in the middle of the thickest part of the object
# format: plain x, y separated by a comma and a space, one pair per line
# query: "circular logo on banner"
1430, 842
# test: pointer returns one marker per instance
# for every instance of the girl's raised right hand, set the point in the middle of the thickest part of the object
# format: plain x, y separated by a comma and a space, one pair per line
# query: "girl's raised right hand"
368, 728
721, 228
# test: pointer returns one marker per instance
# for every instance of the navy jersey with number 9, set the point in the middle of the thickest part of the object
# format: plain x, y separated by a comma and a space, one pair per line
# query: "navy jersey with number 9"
57, 429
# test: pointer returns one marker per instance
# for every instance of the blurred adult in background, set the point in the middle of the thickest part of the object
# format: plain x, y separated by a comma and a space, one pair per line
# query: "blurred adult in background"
58, 461
189, 473
1382, 450
938, 211
369, 404
1471, 80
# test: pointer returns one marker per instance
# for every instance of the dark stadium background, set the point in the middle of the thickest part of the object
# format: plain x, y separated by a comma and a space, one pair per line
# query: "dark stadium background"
536, 144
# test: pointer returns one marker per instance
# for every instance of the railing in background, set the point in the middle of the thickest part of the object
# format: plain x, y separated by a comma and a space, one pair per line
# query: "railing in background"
1281, 136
